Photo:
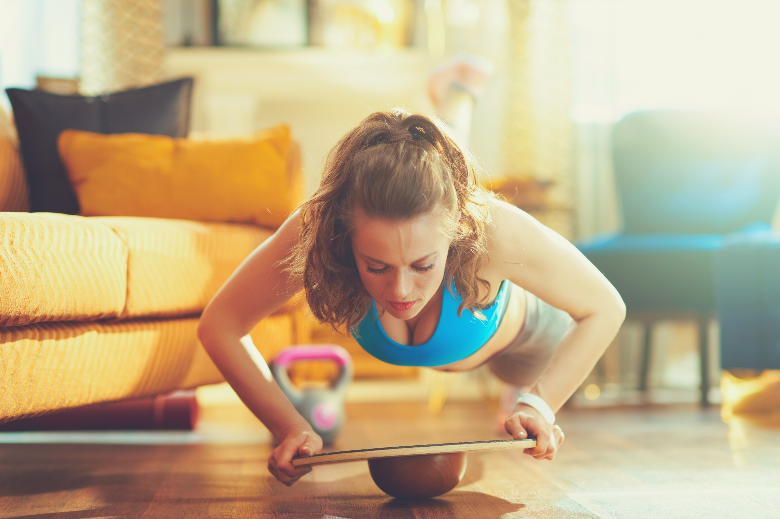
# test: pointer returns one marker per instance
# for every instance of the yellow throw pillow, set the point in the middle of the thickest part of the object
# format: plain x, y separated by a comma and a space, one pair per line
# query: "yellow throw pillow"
254, 180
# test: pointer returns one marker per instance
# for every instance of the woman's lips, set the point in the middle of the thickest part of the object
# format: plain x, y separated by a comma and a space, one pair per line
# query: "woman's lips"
401, 307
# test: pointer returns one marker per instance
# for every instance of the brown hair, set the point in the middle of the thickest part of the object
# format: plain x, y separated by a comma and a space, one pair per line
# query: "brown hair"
397, 166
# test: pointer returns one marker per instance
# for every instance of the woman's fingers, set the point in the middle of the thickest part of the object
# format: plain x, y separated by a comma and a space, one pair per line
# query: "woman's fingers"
287, 474
543, 441
309, 446
556, 440
559, 435
280, 461
285, 477
521, 425
515, 428
284, 460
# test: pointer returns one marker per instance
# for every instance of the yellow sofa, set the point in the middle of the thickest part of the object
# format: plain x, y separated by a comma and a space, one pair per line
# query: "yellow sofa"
105, 308
97, 309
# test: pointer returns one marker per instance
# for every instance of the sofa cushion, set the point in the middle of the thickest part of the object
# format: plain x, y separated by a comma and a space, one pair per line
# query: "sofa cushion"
57, 267
226, 180
50, 366
14, 193
41, 116
176, 266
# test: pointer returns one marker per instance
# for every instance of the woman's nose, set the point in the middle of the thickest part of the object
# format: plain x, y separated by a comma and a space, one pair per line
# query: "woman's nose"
400, 285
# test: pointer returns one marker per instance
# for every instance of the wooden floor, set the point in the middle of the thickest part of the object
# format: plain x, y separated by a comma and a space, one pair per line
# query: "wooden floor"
662, 462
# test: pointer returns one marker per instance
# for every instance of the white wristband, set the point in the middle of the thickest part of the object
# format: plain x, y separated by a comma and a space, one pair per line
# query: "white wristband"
538, 404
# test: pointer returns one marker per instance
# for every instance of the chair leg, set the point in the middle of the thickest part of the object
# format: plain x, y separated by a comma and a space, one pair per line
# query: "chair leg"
704, 359
644, 367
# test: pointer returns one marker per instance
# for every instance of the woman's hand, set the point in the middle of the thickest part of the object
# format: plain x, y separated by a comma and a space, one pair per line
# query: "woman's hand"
526, 421
296, 442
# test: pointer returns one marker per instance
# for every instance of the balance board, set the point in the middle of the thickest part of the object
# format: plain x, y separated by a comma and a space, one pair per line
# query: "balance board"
411, 450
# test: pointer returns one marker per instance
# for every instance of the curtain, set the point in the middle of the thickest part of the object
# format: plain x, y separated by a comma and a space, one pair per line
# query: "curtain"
122, 45
538, 132
37, 38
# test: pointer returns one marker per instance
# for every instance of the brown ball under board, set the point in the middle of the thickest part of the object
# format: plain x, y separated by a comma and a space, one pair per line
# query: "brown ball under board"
415, 471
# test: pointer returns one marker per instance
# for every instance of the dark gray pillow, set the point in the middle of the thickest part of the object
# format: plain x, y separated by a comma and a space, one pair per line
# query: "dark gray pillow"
162, 109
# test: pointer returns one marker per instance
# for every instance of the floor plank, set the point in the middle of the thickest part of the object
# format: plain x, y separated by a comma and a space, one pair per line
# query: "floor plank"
665, 461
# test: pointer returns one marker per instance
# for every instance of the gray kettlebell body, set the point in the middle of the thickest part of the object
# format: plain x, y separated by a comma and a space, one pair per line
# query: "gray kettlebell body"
323, 408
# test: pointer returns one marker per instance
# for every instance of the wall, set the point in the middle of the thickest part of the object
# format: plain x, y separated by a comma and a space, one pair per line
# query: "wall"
320, 93
38, 37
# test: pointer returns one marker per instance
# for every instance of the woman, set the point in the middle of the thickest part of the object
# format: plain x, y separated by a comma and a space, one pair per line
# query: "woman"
402, 245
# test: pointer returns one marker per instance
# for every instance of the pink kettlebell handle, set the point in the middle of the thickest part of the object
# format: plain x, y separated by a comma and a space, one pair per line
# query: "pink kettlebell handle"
321, 351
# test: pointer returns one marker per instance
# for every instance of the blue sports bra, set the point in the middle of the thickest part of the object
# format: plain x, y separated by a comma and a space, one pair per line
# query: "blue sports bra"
455, 337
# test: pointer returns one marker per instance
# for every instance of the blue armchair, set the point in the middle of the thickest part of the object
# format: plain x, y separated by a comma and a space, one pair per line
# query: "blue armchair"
747, 288
685, 180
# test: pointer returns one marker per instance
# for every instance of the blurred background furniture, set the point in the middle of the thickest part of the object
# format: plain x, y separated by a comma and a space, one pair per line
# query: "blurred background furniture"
747, 286
685, 179
100, 309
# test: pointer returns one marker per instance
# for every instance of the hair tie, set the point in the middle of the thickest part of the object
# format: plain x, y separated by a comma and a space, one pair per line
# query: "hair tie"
418, 133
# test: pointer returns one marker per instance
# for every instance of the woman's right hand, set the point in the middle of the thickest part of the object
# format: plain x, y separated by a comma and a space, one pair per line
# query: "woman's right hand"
296, 442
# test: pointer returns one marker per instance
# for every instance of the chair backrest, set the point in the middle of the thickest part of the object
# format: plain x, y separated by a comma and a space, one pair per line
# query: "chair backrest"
696, 172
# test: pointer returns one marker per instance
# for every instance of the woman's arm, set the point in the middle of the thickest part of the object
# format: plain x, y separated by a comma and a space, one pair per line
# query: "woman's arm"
254, 291
547, 265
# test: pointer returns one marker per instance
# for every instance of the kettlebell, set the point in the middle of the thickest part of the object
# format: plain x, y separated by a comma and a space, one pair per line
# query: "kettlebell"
323, 408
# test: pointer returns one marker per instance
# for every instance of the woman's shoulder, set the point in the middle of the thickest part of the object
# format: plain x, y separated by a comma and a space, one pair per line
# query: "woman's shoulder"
507, 222
290, 230
510, 235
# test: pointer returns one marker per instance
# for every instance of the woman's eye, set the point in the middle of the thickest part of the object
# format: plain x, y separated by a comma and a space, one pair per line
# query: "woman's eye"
382, 270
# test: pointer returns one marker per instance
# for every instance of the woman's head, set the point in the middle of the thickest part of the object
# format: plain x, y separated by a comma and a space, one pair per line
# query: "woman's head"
398, 169
401, 262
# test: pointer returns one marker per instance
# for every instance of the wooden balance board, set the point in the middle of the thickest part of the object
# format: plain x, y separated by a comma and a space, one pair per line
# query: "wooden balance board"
411, 450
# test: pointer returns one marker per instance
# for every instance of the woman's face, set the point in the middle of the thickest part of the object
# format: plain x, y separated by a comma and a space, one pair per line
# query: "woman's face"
401, 263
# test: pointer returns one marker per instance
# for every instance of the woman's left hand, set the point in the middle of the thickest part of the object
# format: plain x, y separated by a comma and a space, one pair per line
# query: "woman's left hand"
524, 422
